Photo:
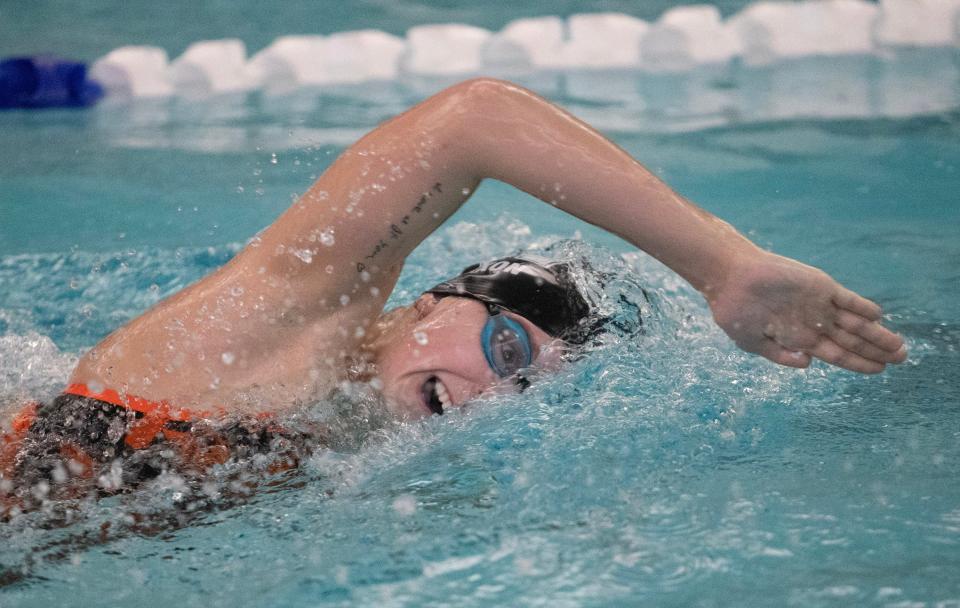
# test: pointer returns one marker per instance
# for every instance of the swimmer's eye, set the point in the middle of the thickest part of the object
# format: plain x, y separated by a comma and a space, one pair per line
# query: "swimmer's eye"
506, 344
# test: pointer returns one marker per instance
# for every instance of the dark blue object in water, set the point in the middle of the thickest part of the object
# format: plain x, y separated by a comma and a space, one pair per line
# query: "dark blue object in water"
46, 82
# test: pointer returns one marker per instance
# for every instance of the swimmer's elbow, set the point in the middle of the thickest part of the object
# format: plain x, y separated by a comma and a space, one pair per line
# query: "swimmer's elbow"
484, 94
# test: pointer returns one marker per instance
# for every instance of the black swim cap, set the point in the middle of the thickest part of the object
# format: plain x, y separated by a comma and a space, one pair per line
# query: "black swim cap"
537, 289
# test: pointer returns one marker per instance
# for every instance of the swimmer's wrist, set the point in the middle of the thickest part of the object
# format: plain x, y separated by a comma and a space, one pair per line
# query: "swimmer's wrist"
715, 259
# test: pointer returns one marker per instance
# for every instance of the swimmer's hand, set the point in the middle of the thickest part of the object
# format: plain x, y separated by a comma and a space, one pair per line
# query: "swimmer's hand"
789, 312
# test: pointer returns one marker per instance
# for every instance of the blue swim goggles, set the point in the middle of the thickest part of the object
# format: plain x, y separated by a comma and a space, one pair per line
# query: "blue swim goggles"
506, 345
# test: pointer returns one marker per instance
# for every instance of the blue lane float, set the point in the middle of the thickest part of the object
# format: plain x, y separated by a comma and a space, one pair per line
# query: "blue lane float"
46, 82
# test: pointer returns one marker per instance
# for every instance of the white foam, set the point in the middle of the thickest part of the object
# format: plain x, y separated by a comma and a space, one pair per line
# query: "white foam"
31, 368
687, 36
603, 40
444, 49
211, 67
289, 62
527, 43
134, 71
770, 31
362, 55
917, 22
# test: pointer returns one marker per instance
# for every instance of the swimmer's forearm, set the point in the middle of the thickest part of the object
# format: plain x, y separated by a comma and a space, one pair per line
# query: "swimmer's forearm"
514, 136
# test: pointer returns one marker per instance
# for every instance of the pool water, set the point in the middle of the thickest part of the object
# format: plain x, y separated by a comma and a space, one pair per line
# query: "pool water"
664, 468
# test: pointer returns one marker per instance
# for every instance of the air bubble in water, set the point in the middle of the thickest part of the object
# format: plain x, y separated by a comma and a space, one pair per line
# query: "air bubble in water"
228, 358
405, 505
236, 291
273, 158
420, 337
344, 300
364, 276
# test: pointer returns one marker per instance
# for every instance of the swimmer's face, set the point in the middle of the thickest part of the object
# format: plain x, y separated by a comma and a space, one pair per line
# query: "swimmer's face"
432, 352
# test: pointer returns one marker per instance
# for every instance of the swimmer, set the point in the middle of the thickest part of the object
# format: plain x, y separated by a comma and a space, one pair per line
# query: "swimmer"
300, 308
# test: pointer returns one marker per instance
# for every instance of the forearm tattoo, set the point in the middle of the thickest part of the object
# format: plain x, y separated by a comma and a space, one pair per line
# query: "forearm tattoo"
397, 230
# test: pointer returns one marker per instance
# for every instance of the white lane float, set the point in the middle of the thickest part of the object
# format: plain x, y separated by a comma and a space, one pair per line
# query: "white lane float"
774, 31
211, 67
446, 49
917, 23
603, 40
688, 36
682, 39
134, 71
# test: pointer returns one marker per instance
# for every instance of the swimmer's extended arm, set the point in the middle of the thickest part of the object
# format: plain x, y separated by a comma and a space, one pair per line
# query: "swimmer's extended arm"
395, 186
770, 305
304, 293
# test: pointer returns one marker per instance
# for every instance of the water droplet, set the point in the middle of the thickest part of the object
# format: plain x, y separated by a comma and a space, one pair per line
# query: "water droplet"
239, 191
305, 255
227, 358
374, 291
465, 191
236, 291
273, 158
365, 276
326, 237
359, 332
344, 300
59, 473
421, 338
329, 269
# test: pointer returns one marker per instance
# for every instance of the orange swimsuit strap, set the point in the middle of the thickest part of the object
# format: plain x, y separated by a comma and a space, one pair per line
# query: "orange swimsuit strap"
156, 414
137, 404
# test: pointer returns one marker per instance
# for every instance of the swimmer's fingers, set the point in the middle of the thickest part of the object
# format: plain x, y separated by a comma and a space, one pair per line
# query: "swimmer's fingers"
831, 352
845, 299
872, 332
867, 349
778, 354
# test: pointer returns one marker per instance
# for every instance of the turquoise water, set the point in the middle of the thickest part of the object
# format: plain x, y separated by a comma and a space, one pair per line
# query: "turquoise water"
663, 469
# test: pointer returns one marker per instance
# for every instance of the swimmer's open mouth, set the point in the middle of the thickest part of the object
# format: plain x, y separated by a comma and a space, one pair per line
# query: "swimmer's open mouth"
435, 395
